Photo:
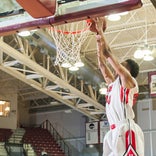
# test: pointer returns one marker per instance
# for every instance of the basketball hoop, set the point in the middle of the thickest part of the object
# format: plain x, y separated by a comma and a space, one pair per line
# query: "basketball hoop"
68, 40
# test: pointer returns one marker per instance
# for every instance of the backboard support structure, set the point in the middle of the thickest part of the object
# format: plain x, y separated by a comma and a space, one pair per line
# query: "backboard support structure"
81, 10
72, 8
73, 11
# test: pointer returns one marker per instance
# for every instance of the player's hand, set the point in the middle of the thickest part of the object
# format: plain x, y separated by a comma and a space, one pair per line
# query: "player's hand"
100, 23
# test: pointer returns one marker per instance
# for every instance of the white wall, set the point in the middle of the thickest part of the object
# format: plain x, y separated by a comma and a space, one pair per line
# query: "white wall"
146, 119
73, 122
23, 113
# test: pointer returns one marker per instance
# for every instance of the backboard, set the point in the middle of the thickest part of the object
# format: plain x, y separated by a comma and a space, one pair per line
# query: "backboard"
107, 6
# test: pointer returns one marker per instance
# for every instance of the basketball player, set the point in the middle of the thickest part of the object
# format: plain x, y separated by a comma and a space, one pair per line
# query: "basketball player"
125, 137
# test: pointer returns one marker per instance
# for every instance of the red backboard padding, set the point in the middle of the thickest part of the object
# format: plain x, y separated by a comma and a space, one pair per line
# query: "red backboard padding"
39, 8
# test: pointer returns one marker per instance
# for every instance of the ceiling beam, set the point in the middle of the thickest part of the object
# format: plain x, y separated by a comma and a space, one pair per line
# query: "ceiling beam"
50, 76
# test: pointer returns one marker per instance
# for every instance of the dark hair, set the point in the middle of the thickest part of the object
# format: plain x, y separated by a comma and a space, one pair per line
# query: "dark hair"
134, 67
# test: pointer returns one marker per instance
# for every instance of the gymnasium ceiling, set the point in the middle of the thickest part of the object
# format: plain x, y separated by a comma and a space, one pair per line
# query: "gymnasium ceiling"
29, 62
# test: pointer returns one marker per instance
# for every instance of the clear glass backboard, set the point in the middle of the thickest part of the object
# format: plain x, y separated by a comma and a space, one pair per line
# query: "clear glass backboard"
91, 6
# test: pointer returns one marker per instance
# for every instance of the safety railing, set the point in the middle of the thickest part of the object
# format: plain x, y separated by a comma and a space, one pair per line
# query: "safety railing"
47, 125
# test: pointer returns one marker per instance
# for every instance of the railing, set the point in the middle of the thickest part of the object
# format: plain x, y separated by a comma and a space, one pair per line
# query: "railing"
47, 125
77, 142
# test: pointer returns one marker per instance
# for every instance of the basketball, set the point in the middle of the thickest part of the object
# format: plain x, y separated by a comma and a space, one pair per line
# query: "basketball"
93, 25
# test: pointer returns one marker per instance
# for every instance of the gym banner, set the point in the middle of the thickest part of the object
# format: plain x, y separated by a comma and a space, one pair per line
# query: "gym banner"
152, 83
104, 128
92, 133
95, 131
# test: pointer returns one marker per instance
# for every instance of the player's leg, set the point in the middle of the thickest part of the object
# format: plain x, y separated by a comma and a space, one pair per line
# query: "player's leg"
107, 144
139, 140
129, 134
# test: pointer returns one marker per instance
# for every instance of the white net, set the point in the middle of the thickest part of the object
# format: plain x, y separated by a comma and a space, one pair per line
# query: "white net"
68, 40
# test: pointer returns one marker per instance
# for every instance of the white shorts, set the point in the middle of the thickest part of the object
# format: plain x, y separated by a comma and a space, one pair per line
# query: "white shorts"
126, 138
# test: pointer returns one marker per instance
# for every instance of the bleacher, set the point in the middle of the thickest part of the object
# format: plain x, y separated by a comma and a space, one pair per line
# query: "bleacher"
32, 140
40, 139
5, 134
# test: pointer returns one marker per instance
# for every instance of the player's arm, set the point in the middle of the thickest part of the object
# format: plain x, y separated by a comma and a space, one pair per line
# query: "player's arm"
125, 76
106, 72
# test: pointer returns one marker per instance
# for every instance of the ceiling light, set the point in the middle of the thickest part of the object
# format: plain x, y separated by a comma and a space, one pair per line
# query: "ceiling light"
145, 52
79, 64
114, 17
73, 68
103, 91
24, 33
66, 65
34, 30
138, 54
123, 13
148, 58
